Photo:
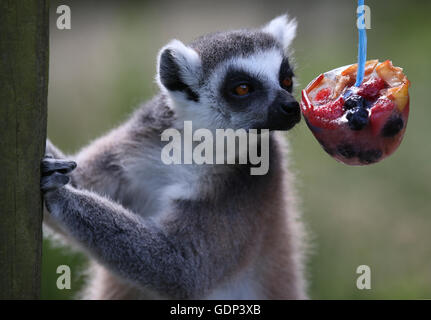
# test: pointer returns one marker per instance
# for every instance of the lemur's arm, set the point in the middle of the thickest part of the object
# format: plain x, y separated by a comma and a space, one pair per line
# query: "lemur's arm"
181, 257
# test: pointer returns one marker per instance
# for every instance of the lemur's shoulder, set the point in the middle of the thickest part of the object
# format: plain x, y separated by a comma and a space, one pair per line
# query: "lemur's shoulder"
103, 161
151, 118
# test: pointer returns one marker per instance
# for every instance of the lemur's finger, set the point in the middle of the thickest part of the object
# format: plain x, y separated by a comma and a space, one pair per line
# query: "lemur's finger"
50, 165
54, 181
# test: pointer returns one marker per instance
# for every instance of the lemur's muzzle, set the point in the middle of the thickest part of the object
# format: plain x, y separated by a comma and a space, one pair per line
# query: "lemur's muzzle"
284, 112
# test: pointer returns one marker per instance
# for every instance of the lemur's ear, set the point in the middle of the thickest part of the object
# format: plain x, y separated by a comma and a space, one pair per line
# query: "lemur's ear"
179, 69
283, 29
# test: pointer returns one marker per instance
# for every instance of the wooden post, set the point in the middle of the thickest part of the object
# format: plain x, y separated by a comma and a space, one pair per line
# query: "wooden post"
24, 50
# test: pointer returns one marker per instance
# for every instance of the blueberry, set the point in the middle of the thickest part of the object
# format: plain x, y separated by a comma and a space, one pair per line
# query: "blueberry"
354, 101
370, 156
368, 104
357, 118
347, 151
392, 127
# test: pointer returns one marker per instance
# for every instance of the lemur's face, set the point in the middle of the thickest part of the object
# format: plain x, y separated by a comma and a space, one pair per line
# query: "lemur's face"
238, 79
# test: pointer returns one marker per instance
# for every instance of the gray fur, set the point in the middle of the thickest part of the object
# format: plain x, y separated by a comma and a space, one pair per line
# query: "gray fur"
218, 47
186, 231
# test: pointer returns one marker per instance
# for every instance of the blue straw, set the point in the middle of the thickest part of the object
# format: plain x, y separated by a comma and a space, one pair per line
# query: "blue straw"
362, 50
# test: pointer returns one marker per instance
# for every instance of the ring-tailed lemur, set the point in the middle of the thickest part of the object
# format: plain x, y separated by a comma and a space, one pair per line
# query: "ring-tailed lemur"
189, 231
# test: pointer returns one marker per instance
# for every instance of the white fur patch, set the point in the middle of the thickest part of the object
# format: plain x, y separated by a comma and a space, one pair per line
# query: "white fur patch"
263, 65
243, 286
283, 29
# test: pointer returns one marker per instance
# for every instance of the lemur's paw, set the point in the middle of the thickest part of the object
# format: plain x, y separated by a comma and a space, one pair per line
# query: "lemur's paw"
55, 173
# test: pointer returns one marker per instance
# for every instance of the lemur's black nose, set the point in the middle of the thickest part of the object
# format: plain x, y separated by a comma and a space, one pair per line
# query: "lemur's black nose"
291, 108
284, 112
291, 112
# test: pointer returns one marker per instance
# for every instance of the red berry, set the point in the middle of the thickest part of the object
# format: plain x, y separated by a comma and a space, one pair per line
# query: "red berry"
324, 115
371, 88
323, 96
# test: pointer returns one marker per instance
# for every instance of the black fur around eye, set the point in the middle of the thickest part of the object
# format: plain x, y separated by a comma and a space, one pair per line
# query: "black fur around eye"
286, 75
239, 89
239, 85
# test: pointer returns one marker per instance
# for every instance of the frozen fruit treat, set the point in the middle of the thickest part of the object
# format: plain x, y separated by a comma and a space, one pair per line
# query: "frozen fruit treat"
358, 125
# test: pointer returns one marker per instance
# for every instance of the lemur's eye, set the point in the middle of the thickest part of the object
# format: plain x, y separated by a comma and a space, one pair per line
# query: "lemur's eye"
242, 90
238, 87
287, 82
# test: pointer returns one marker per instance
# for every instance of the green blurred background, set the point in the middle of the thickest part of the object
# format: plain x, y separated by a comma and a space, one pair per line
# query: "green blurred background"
378, 215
